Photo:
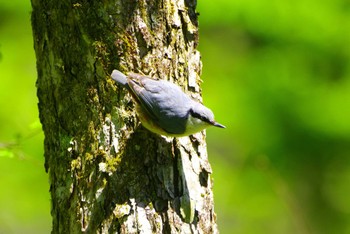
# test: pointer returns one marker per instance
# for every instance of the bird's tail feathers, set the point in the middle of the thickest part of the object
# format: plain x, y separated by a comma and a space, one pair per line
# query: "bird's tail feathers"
119, 77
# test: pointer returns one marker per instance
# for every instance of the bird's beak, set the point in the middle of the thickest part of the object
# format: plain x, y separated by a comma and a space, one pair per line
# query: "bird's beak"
216, 124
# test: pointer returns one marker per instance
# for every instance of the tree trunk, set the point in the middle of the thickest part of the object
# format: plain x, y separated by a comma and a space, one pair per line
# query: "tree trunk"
108, 173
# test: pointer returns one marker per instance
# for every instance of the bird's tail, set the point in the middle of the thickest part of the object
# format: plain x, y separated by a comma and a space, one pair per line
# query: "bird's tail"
119, 77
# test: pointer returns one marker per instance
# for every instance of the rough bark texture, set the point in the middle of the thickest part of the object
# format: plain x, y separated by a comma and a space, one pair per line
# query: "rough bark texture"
108, 173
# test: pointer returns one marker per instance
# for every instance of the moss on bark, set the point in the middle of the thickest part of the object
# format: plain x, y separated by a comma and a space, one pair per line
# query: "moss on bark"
107, 173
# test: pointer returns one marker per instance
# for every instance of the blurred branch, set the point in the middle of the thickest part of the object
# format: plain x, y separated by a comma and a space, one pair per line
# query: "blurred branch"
13, 149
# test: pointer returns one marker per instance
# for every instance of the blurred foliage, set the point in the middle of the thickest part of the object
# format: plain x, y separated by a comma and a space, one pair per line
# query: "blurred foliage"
276, 73
24, 196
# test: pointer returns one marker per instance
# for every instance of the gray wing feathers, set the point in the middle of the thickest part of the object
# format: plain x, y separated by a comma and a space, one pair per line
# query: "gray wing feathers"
165, 102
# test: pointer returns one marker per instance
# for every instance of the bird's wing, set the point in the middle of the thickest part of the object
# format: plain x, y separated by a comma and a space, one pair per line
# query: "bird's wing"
165, 102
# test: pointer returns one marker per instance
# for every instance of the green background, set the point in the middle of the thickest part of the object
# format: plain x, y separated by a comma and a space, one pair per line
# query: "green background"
276, 73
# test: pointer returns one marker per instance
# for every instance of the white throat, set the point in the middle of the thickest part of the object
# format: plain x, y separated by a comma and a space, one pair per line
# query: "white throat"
194, 125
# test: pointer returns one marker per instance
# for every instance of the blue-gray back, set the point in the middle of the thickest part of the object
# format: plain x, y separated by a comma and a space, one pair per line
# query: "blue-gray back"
165, 102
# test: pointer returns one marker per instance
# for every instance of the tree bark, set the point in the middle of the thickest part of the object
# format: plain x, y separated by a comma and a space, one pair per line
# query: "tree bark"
107, 173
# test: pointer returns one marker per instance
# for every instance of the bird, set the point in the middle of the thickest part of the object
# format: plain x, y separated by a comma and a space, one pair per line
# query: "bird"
163, 108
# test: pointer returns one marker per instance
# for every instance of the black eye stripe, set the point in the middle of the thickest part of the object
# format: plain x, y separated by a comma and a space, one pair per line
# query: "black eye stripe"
198, 116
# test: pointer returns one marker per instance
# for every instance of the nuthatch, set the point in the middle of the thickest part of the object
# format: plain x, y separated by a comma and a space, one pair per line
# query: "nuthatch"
163, 108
